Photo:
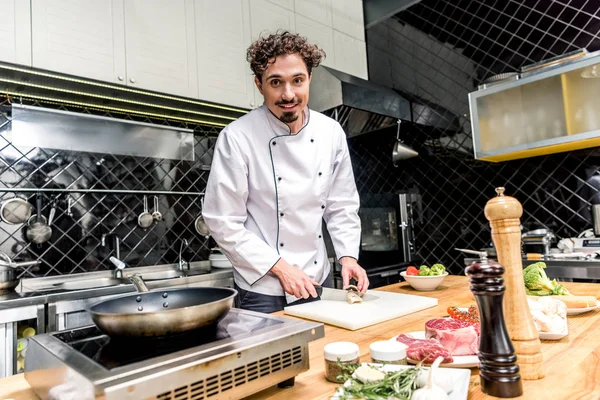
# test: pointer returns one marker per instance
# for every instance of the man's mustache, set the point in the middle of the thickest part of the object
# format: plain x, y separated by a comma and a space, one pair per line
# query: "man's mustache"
282, 102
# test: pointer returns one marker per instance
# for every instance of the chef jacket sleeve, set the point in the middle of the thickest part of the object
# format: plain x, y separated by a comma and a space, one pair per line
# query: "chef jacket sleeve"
341, 208
225, 212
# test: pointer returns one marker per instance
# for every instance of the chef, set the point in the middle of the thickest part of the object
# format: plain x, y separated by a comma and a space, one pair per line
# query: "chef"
277, 173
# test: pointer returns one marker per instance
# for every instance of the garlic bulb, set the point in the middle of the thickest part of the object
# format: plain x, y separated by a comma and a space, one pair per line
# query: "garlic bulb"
431, 391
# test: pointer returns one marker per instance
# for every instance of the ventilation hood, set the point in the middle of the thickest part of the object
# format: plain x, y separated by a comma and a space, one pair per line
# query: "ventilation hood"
361, 106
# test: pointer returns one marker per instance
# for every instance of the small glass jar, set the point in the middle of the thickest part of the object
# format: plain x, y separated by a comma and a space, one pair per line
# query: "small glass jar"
345, 353
388, 352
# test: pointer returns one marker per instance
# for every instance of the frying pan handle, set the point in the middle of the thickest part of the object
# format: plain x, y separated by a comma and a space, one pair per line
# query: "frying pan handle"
138, 282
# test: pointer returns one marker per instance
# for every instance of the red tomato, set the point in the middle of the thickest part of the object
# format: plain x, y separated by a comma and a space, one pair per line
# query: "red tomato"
412, 271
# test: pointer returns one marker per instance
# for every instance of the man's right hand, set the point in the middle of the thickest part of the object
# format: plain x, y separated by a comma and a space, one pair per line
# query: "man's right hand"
293, 280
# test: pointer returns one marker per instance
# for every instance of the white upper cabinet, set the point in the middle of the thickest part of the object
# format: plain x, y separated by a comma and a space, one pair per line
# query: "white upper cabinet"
350, 55
267, 17
160, 46
222, 37
319, 34
316, 10
289, 4
15, 31
79, 37
348, 18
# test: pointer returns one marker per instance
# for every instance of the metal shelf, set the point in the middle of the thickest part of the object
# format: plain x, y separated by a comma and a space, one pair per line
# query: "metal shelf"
99, 191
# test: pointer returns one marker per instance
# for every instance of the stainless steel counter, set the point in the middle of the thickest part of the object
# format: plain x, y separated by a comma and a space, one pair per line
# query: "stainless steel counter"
588, 270
37, 291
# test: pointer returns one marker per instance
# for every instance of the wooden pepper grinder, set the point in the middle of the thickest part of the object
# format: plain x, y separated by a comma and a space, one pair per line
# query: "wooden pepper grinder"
498, 371
504, 213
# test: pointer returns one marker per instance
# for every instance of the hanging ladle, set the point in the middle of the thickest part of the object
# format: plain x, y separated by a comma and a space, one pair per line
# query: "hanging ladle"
401, 151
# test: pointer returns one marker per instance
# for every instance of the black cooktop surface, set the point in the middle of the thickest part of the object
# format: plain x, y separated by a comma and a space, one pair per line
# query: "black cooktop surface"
118, 352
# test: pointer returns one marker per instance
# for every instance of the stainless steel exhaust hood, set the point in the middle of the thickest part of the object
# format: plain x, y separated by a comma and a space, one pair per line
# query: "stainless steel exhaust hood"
359, 105
362, 106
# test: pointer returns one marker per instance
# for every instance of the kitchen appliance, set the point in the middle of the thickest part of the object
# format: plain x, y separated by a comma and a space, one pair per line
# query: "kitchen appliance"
538, 241
388, 222
586, 245
596, 219
245, 353
376, 307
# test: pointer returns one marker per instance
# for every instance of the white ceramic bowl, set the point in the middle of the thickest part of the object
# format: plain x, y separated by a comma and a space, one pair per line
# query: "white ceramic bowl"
424, 283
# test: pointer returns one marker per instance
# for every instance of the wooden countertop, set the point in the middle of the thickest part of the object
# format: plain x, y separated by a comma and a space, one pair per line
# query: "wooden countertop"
572, 364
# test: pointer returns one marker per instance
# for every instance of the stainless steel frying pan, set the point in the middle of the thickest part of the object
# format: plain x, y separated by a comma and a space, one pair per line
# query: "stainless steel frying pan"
162, 312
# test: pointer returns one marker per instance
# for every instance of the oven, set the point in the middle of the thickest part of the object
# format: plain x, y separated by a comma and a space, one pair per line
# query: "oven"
388, 222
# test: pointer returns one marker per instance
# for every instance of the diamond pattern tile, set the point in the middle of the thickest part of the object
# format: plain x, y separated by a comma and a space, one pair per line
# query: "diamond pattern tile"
493, 37
75, 245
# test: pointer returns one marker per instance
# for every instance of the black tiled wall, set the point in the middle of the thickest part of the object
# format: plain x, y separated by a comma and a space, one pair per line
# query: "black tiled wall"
440, 50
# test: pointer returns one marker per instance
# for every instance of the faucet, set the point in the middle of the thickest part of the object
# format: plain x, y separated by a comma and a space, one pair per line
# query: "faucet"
182, 262
116, 247
8, 262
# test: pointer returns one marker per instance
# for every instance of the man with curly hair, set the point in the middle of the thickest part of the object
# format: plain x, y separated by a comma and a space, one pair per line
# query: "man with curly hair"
277, 173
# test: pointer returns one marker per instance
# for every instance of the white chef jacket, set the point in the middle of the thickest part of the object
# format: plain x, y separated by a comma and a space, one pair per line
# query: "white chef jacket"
268, 192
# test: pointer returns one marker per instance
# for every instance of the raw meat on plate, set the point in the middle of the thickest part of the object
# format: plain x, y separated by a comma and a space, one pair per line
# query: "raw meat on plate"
424, 349
460, 338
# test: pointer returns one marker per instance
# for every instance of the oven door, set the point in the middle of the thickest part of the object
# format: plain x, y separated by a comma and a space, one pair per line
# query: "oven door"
387, 237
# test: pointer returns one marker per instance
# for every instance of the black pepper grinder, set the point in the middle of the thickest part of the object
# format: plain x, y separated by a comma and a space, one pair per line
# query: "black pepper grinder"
498, 369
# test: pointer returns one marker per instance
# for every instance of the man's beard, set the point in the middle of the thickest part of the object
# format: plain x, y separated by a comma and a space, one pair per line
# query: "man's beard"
288, 117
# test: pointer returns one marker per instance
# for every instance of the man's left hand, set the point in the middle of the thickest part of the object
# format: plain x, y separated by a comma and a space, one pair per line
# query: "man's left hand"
351, 269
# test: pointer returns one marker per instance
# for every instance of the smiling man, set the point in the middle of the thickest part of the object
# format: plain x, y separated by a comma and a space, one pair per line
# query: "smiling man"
277, 173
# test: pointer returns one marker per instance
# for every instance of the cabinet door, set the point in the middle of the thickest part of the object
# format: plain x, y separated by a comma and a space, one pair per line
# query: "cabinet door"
15, 31
319, 34
161, 49
79, 37
289, 4
347, 16
222, 38
316, 10
265, 18
350, 55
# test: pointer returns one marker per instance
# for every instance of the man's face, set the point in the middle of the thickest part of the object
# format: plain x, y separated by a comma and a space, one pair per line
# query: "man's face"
285, 85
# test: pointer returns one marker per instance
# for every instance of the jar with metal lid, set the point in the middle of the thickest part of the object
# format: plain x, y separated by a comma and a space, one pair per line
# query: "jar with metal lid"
388, 352
338, 354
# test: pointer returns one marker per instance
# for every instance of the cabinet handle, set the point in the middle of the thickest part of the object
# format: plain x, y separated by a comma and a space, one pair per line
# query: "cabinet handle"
132, 80
120, 77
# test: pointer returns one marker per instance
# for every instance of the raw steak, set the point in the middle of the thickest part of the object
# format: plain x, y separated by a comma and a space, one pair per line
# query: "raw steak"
424, 349
460, 338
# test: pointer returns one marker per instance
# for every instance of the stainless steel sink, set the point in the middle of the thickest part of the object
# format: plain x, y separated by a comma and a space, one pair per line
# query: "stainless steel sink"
170, 274
160, 275
90, 283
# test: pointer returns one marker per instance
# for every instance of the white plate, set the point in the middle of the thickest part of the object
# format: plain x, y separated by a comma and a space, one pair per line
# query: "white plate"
554, 335
221, 264
471, 361
576, 311
460, 379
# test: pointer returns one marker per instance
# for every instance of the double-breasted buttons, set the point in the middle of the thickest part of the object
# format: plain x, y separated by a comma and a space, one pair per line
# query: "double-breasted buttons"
320, 173
322, 207
281, 214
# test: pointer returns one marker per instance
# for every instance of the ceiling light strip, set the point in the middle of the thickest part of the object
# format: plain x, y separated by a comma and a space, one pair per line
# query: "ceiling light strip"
97, 96
121, 88
105, 108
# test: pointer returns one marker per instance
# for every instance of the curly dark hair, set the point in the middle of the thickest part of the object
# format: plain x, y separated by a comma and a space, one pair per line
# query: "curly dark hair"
262, 52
